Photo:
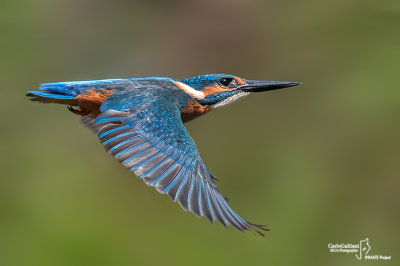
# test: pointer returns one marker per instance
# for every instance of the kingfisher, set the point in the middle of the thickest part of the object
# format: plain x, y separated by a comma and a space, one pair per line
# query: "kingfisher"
140, 121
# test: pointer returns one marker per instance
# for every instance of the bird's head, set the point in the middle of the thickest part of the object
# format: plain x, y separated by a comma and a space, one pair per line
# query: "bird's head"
221, 89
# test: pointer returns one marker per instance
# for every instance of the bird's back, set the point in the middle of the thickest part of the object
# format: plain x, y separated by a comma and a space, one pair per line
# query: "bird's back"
89, 95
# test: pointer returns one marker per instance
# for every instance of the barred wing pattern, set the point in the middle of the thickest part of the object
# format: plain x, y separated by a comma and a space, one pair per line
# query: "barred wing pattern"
151, 141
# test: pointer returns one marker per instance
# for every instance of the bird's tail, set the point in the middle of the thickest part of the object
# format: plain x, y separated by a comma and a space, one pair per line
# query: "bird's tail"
82, 97
60, 92
67, 92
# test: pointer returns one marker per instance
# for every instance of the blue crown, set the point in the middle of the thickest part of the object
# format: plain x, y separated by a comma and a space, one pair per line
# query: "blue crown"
202, 81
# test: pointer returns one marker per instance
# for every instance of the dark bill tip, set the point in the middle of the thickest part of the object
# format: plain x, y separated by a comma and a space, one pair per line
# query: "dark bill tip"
258, 85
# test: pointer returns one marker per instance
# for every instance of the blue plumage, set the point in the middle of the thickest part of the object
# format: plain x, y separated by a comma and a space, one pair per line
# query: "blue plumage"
51, 95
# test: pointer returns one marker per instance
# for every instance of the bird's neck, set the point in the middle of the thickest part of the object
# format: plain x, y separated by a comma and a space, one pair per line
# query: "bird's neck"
193, 110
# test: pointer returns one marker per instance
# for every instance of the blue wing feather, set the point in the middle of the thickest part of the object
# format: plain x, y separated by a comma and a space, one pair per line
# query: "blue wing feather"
144, 131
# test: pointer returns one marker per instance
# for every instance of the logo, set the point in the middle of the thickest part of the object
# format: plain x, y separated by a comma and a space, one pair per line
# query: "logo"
361, 250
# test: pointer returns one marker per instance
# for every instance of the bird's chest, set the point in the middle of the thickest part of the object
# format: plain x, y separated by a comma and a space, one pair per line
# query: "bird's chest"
193, 110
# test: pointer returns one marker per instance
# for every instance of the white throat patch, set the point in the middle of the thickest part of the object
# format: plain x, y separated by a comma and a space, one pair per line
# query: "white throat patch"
230, 99
198, 95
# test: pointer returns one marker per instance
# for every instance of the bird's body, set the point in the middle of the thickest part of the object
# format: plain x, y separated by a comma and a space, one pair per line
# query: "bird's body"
140, 122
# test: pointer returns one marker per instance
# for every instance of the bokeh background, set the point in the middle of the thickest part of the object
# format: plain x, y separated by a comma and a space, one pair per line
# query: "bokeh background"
318, 163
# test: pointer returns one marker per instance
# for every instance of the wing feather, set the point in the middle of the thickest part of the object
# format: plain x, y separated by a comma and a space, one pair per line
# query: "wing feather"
149, 139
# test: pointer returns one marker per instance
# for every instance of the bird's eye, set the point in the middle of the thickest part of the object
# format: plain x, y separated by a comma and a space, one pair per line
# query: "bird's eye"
225, 81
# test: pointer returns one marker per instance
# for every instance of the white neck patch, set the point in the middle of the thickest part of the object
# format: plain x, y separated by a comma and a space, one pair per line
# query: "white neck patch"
198, 95
231, 99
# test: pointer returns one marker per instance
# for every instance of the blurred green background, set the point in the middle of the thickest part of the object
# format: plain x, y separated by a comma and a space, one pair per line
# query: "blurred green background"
318, 163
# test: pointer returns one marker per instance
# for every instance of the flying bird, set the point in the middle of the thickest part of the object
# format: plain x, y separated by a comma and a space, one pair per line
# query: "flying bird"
140, 122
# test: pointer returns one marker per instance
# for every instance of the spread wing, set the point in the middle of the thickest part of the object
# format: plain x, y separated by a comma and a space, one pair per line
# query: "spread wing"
144, 131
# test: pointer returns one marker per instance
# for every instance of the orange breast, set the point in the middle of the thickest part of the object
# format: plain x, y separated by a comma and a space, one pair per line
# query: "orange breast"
193, 110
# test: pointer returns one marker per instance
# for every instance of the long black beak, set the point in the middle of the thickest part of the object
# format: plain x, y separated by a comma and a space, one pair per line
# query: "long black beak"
258, 85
